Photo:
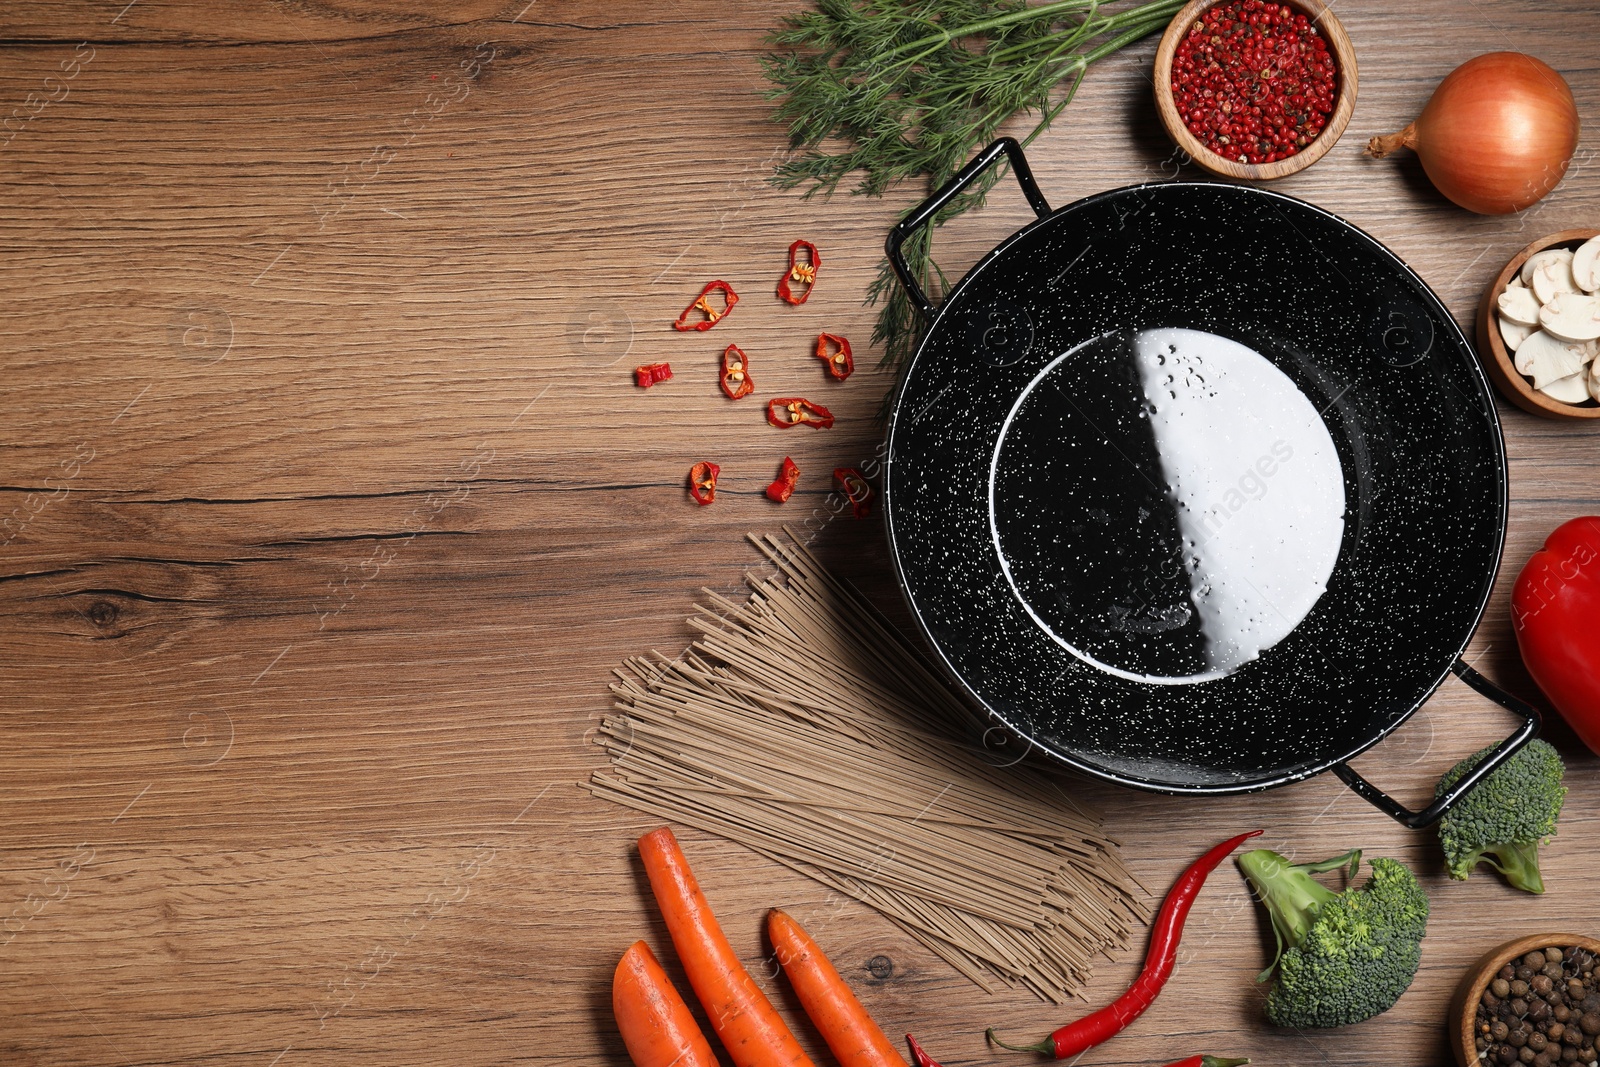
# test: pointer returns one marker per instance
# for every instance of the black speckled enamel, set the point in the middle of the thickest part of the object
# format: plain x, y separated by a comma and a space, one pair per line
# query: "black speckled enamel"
1401, 394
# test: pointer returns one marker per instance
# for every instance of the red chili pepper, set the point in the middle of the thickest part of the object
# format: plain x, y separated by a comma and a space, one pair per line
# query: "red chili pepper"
918, 1056
651, 373
800, 271
736, 373
787, 411
840, 363
856, 489
703, 482
702, 303
922, 1059
1158, 962
783, 488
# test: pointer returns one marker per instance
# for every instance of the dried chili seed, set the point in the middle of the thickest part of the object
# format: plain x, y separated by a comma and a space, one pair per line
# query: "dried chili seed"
783, 487
702, 304
736, 373
651, 373
787, 411
703, 482
802, 271
856, 489
834, 351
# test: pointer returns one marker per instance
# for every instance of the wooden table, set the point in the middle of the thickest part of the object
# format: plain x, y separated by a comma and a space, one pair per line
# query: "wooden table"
333, 504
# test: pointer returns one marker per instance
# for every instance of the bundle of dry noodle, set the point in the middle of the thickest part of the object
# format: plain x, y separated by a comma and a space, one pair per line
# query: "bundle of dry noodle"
803, 726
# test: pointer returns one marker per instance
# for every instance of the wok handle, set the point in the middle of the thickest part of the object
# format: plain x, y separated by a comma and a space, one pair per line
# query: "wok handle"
1431, 814
924, 212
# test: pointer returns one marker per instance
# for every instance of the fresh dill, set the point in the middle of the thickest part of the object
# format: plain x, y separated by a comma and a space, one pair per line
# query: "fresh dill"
895, 90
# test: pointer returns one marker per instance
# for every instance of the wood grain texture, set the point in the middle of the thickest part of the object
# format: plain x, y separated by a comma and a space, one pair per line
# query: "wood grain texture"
332, 505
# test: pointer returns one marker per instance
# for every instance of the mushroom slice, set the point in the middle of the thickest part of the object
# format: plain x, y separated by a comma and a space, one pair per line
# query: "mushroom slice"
1571, 317
1538, 258
1520, 306
1570, 390
1513, 333
1586, 265
1594, 379
1548, 360
1551, 277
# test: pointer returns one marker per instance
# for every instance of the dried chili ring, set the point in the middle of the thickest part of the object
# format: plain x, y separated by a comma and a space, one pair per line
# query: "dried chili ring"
787, 411
736, 373
835, 352
651, 373
703, 482
856, 489
702, 303
802, 271
783, 487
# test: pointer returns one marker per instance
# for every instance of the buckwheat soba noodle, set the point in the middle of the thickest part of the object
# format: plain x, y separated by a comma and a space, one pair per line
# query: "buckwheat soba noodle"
802, 726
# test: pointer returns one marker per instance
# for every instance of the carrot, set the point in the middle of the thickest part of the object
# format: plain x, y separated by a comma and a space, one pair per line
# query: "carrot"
655, 1022
745, 1021
855, 1039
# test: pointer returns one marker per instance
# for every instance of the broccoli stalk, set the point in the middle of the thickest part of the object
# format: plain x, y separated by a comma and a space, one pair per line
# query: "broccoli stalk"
1342, 957
1293, 898
1504, 819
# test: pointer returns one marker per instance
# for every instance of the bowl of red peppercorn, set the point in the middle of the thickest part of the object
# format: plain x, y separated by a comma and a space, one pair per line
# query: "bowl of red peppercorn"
1253, 89
1532, 1002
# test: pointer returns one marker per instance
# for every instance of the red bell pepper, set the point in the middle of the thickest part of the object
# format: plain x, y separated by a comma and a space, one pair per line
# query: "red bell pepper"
1555, 611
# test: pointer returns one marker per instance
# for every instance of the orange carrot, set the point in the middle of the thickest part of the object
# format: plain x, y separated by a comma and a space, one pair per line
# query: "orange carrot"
855, 1039
745, 1021
655, 1022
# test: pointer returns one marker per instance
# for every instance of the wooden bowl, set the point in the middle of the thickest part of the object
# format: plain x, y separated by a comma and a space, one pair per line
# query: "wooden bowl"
1464, 1005
1344, 58
1496, 358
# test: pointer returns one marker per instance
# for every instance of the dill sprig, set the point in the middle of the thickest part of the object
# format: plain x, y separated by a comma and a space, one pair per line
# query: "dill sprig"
896, 90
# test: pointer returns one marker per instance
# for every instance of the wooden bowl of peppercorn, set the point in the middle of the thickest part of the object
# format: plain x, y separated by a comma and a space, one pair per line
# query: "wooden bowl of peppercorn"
1250, 79
1549, 1007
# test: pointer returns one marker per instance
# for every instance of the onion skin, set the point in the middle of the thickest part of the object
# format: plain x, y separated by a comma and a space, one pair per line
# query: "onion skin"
1497, 134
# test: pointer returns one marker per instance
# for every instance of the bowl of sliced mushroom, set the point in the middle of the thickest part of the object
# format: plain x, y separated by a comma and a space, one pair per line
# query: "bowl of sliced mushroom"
1539, 327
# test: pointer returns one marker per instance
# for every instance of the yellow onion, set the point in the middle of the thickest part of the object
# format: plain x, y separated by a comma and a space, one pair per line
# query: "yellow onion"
1497, 134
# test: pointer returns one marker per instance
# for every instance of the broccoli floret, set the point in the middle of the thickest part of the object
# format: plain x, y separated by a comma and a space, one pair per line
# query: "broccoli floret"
1504, 819
1342, 957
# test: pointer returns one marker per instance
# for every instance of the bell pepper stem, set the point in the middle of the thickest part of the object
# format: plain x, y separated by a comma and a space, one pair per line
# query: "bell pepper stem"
1047, 1046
